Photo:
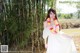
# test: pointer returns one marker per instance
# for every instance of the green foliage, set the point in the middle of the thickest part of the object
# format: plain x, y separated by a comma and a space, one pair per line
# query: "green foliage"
66, 16
21, 18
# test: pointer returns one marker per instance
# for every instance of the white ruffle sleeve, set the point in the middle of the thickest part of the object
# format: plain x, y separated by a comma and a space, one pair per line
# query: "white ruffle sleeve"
46, 33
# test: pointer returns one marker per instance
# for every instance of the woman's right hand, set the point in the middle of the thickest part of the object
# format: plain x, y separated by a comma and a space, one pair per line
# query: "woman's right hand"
46, 46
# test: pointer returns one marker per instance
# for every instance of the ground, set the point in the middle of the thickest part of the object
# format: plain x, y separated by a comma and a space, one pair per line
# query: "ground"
75, 34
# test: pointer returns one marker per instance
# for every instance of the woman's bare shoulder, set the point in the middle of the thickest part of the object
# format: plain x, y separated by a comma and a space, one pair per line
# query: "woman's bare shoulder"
44, 22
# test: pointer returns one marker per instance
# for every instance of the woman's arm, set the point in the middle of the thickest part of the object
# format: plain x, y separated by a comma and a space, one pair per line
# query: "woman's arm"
45, 39
56, 26
44, 24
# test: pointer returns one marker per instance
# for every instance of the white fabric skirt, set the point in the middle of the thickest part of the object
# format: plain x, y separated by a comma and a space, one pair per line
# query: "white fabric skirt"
59, 43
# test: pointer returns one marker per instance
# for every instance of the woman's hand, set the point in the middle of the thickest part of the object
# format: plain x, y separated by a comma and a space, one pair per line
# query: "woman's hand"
46, 43
46, 46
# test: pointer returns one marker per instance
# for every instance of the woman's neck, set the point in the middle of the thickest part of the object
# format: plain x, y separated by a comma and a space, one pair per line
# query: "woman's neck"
53, 22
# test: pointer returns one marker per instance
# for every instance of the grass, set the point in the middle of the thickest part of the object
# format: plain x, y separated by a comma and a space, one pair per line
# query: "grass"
72, 31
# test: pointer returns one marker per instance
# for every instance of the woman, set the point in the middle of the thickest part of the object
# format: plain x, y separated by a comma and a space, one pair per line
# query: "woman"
56, 41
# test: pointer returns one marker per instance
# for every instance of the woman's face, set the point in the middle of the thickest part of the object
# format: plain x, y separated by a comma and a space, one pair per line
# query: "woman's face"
52, 15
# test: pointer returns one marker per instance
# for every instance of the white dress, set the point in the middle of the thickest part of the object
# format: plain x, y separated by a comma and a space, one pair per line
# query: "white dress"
59, 43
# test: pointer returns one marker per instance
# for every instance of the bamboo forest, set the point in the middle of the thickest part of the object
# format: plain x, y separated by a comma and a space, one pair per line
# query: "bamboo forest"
21, 24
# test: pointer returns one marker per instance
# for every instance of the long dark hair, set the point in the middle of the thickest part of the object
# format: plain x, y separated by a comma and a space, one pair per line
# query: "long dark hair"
48, 13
